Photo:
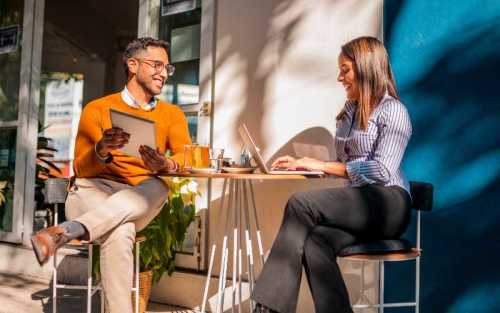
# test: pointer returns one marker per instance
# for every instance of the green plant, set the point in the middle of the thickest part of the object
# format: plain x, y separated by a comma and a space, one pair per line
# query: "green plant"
3, 185
165, 234
6, 195
45, 168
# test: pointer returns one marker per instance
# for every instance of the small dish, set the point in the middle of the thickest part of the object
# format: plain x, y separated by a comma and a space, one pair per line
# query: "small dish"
238, 170
204, 170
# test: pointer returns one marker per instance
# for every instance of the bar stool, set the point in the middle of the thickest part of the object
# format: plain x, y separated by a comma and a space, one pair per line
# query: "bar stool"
56, 190
393, 250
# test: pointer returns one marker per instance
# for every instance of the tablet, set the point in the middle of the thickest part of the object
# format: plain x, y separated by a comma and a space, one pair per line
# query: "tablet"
142, 131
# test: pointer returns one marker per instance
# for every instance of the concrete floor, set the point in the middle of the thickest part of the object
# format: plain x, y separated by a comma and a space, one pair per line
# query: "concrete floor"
21, 294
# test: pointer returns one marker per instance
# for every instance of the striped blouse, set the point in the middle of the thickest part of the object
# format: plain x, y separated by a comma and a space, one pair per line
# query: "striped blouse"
373, 156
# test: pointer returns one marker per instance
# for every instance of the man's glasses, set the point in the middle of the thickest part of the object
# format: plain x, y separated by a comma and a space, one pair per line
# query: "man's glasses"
159, 66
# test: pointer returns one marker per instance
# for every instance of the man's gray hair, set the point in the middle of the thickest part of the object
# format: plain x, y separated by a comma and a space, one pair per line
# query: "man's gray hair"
141, 44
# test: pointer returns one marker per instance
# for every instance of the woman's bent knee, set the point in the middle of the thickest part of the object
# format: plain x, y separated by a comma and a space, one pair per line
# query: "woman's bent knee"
298, 203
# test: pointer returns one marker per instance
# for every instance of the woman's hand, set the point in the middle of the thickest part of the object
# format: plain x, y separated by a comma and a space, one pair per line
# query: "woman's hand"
309, 164
290, 163
283, 162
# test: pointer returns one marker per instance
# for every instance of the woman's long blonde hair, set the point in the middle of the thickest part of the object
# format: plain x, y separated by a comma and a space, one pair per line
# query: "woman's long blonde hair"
373, 73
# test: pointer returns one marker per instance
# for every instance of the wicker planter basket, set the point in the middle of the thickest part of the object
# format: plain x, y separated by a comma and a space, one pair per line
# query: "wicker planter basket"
145, 281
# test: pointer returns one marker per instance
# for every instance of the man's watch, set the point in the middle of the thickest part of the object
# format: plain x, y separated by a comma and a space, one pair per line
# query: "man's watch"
175, 168
106, 159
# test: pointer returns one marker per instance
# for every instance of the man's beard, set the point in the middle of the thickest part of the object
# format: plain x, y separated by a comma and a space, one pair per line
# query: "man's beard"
147, 88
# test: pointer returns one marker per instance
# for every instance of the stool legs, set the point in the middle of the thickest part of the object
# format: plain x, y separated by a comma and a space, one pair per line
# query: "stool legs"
381, 287
54, 270
54, 284
88, 287
137, 253
89, 278
417, 285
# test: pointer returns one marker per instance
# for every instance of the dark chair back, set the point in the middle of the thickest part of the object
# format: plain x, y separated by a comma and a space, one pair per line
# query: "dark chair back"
56, 190
422, 195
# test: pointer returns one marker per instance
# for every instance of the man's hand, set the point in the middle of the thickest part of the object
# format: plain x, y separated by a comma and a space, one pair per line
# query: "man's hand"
154, 160
112, 139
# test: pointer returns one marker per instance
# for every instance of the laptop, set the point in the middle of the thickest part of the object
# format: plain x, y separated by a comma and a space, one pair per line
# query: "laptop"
255, 151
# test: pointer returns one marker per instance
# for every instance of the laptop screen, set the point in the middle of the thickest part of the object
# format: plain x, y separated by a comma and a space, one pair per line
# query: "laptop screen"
254, 150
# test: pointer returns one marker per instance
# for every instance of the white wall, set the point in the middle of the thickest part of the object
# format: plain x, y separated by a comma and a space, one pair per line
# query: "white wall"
277, 66
276, 71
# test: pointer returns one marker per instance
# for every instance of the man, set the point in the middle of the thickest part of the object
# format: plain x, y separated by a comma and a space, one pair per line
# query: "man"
114, 195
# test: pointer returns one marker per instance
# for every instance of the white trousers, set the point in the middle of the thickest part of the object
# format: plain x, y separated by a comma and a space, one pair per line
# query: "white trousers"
112, 212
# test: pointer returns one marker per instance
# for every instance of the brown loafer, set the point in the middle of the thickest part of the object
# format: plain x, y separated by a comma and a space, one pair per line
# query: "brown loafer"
46, 241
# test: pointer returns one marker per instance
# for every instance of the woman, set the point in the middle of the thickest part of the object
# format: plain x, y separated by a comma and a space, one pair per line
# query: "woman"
373, 130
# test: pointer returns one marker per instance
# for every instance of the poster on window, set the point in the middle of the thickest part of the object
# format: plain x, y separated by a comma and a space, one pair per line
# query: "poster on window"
63, 102
171, 7
9, 37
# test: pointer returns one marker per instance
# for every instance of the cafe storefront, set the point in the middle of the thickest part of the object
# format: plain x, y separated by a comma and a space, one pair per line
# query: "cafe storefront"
52, 62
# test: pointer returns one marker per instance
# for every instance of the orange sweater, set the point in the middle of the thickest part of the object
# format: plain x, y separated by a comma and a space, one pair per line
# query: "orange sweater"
171, 133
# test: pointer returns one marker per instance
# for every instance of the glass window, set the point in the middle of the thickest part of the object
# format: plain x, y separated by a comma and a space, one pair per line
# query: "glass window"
7, 173
180, 23
11, 20
60, 108
10, 57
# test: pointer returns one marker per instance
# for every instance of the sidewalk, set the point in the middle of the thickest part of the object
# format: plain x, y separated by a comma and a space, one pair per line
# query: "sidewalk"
20, 294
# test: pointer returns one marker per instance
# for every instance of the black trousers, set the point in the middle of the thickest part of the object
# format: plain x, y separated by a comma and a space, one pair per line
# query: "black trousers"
316, 226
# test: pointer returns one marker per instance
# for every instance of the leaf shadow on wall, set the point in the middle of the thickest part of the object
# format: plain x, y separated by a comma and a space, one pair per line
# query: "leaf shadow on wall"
315, 142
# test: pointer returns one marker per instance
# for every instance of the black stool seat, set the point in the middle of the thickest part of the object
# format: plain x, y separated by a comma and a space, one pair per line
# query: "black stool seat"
377, 247
422, 198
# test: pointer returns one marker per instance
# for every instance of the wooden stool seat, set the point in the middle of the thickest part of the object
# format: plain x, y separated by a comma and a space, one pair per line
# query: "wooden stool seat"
78, 242
392, 256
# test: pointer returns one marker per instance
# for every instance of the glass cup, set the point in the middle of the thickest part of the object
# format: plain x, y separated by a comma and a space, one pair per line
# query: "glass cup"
188, 156
216, 158
196, 156
201, 156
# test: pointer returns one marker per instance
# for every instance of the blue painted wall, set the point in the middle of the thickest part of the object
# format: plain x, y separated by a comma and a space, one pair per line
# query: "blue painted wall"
446, 59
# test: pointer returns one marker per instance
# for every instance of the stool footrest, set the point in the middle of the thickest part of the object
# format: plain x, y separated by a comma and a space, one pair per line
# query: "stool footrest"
77, 287
385, 305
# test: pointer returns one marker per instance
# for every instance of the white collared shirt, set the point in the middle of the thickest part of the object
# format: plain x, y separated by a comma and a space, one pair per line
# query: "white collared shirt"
129, 99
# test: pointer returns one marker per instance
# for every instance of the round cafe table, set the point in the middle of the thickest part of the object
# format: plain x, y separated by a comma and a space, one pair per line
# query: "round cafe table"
238, 200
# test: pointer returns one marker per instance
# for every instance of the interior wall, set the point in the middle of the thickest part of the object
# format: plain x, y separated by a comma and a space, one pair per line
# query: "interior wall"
276, 69
89, 36
119, 78
92, 70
